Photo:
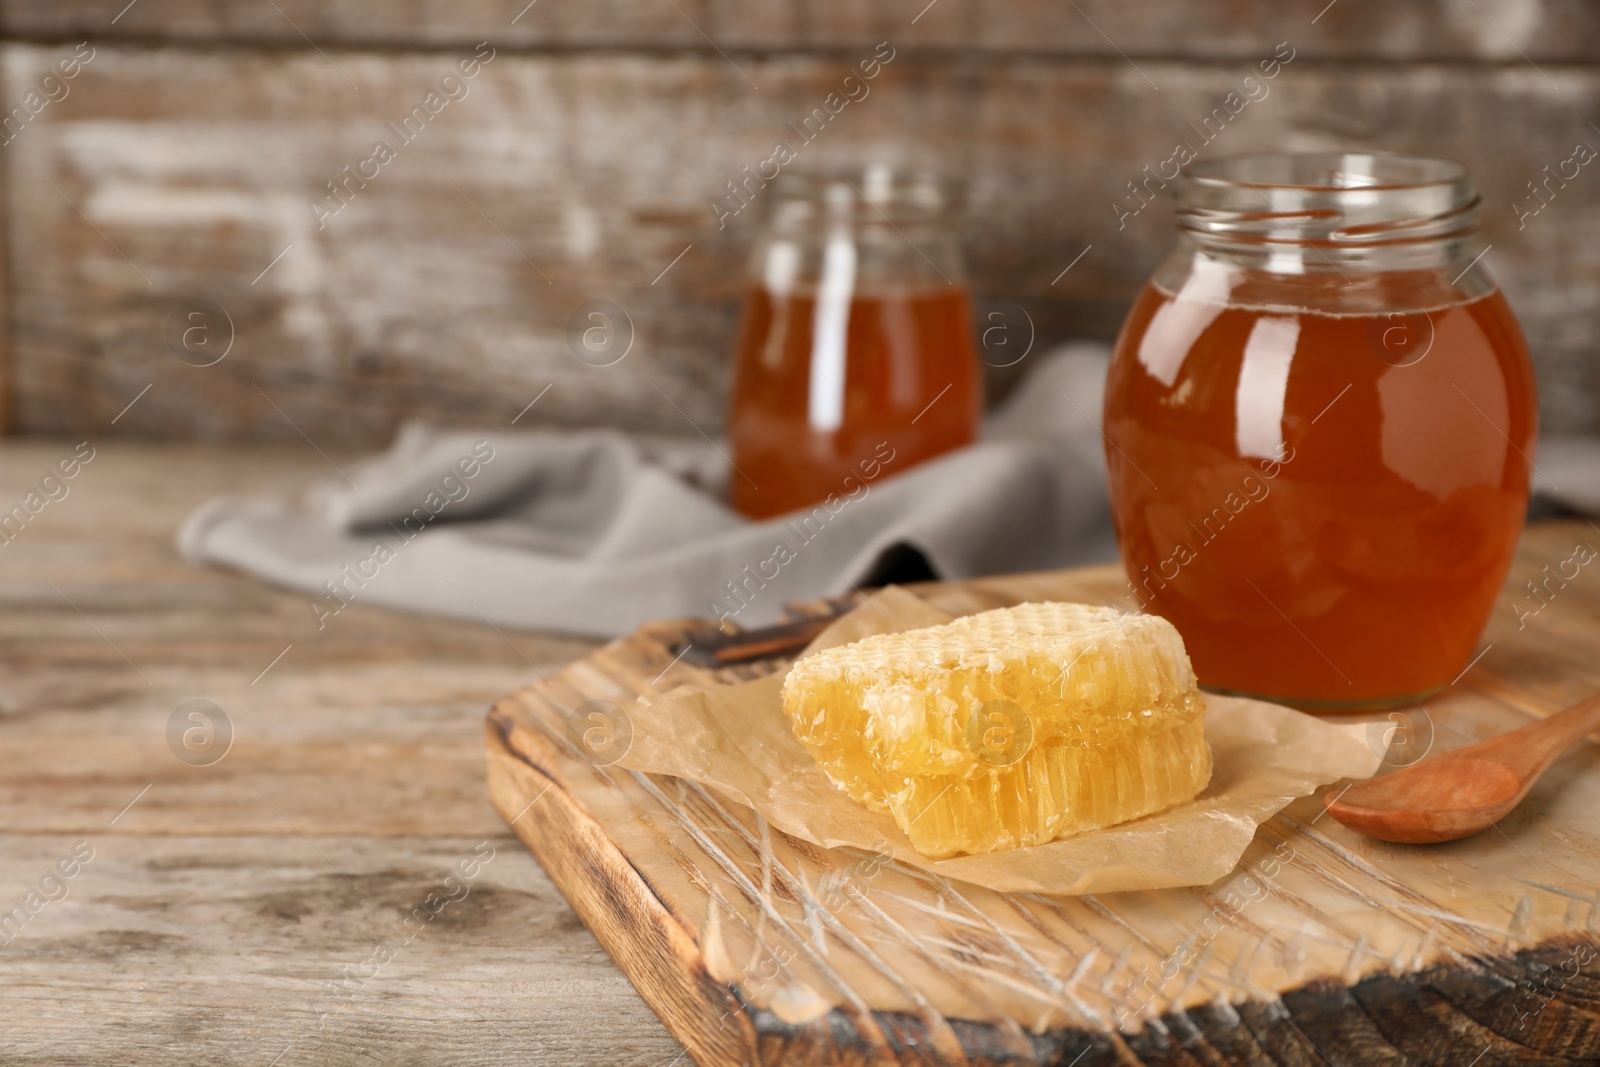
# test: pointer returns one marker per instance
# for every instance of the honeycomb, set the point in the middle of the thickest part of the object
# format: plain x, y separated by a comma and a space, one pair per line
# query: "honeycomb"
1007, 728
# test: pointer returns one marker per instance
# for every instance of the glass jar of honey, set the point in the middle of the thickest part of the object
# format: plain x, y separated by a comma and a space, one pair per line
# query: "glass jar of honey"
855, 353
1319, 423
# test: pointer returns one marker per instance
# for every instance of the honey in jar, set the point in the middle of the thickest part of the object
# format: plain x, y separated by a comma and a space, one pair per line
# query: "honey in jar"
1320, 422
855, 353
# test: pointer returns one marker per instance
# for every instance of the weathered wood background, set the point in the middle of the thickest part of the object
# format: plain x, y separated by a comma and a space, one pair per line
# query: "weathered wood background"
182, 161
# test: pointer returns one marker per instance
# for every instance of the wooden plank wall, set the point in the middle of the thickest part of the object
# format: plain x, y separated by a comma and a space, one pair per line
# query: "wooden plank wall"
181, 162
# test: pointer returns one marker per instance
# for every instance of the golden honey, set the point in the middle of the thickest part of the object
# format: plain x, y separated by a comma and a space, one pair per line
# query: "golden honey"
1007, 728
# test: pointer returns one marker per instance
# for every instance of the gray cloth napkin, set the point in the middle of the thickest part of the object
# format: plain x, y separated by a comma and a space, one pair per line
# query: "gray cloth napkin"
596, 532
1567, 475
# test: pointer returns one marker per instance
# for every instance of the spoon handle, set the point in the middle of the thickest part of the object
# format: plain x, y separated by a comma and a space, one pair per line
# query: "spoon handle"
1534, 747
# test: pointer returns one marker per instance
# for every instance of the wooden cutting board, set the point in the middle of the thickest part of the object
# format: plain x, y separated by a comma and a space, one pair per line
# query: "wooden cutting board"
1323, 947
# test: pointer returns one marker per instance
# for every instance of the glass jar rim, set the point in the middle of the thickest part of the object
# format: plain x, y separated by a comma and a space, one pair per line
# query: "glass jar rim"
877, 192
1340, 199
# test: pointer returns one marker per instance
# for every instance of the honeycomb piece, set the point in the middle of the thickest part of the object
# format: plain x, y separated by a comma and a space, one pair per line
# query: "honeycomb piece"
1008, 728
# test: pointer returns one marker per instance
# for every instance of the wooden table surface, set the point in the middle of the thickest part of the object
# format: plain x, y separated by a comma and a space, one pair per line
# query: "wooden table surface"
254, 911
299, 899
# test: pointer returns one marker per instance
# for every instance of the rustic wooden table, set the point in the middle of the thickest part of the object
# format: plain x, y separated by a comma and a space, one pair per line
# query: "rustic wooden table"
300, 900
310, 872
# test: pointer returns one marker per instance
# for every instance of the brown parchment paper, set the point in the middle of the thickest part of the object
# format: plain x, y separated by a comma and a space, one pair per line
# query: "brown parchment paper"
736, 739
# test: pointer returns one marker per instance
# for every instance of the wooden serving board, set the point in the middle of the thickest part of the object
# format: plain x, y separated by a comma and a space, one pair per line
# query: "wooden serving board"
1322, 947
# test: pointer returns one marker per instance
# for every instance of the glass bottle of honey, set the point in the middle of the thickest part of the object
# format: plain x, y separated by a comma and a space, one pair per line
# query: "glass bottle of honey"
1320, 423
856, 342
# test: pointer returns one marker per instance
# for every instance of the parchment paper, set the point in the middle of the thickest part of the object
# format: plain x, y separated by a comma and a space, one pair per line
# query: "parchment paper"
736, 739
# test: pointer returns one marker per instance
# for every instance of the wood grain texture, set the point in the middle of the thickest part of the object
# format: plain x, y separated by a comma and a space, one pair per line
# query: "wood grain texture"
238, 948
1555, 30
444, 288
234, 913
1321, 947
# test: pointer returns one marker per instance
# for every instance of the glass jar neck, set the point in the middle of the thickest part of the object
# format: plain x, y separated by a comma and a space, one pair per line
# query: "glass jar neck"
1194, 273
874, 230
1309, 257
1330, 212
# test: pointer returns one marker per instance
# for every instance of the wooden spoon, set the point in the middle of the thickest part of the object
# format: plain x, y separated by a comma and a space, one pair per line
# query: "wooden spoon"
1459, 793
